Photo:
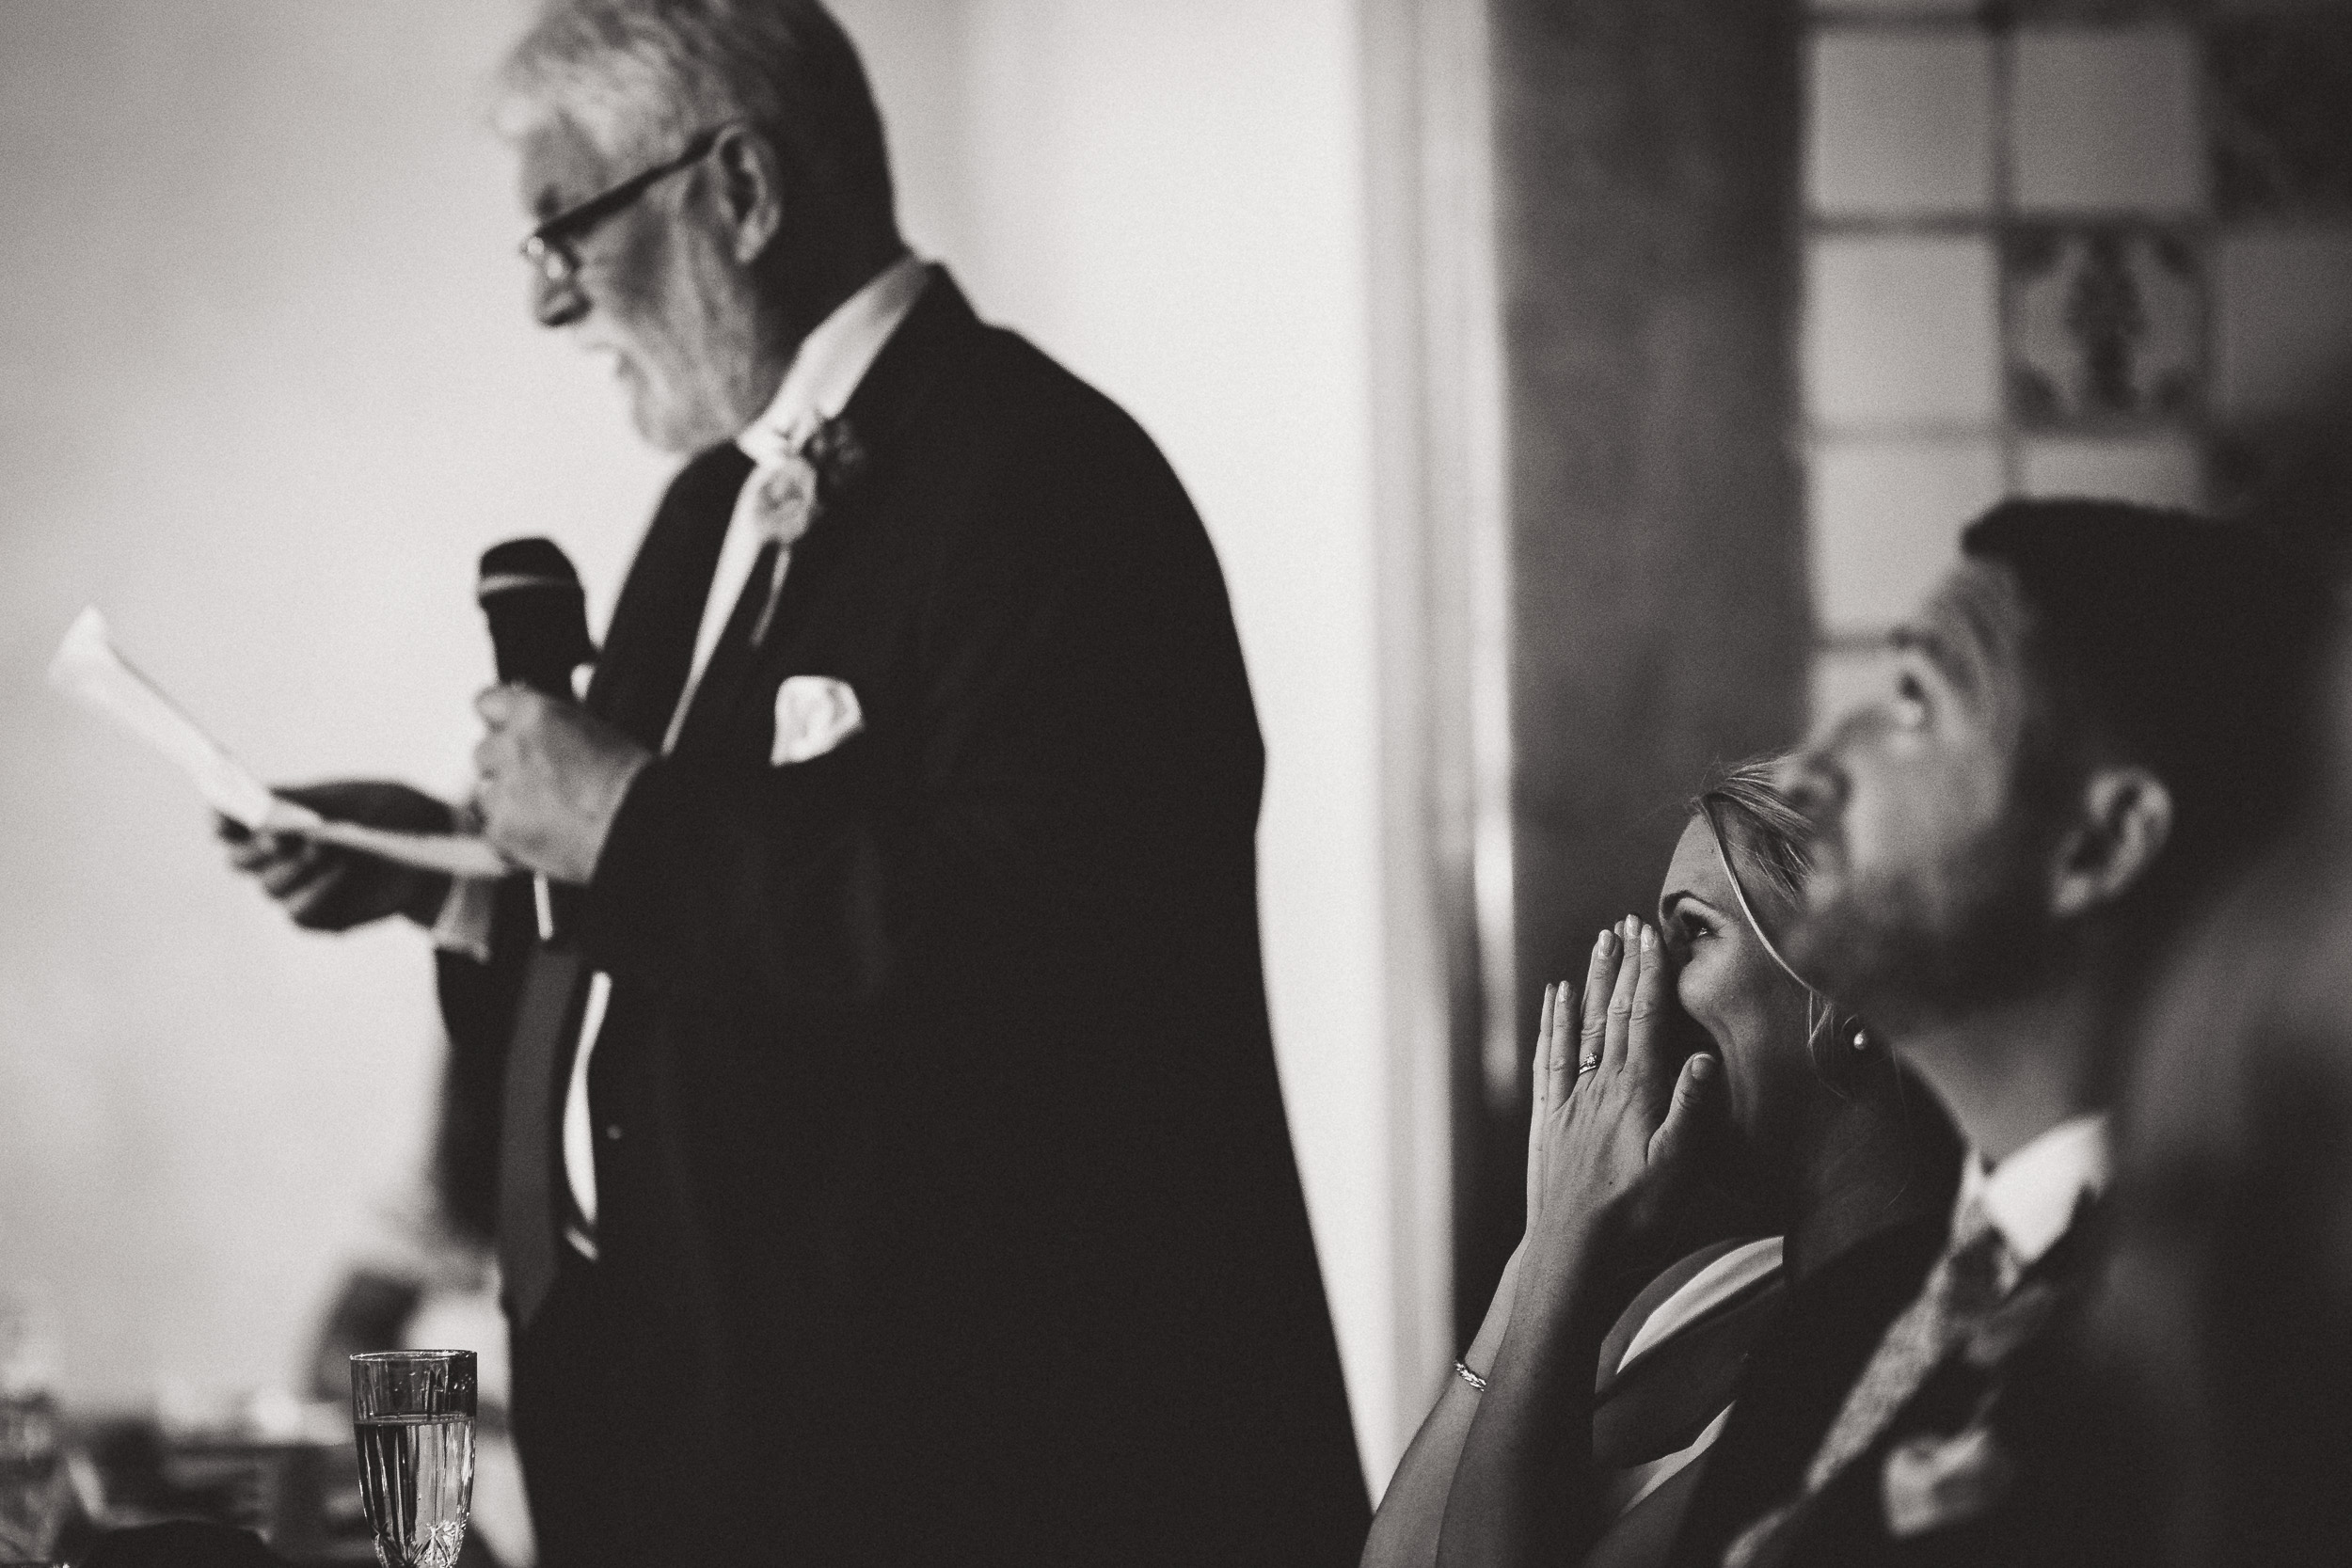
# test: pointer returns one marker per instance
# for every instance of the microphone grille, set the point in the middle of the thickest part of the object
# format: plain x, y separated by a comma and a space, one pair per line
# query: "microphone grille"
532, 562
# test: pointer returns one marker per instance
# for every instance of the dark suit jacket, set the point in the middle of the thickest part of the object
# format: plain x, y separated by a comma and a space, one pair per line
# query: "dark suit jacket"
2020, 1382
944, 1181
1795, 1380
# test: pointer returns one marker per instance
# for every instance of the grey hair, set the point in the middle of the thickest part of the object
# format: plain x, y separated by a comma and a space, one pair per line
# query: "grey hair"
641, 77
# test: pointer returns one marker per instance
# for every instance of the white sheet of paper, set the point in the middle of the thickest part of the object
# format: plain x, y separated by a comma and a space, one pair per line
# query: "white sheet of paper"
88, 667
459, 854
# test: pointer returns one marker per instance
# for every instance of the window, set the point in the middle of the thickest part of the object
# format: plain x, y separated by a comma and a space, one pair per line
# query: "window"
2052, 248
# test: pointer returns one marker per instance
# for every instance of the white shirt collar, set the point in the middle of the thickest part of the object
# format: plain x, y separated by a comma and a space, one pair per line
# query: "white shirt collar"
834, 358
2031, 1196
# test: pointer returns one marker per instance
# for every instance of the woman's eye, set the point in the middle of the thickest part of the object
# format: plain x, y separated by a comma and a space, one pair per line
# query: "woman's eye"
1911, 702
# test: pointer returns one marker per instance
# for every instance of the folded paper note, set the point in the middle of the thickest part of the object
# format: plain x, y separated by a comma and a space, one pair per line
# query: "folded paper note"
89, 668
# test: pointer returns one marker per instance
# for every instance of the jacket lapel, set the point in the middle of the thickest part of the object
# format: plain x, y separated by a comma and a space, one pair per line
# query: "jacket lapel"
894, 390
649, 646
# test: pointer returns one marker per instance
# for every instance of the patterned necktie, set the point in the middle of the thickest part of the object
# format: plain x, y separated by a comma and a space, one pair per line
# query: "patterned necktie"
1967, 1283
547, 1012
547, 1019
802, 470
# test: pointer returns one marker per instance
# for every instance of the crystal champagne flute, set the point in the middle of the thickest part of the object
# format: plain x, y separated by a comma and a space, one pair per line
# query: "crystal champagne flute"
412, 1411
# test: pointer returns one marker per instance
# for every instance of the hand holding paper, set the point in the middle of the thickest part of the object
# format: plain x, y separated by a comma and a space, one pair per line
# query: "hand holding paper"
325, 887
89, 668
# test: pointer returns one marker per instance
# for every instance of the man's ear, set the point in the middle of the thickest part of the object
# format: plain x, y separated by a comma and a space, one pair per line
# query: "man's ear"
749, 190
2124, 822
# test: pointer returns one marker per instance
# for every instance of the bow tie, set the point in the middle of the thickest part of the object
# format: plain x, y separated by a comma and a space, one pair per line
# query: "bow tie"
802, 470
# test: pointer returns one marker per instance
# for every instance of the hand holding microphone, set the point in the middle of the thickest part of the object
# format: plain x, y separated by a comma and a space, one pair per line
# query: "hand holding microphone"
551, 775
539, 617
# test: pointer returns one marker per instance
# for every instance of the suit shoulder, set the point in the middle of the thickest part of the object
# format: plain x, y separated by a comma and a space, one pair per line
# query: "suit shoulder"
1053, 452
1034, 398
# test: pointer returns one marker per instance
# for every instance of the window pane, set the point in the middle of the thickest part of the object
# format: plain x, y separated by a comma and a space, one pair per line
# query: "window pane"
2108, 118
2106, 324
1885, 518
1899, 332
1902, 122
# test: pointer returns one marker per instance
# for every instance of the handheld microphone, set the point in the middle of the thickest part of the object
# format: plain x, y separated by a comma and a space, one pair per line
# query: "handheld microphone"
538, 618
538, 635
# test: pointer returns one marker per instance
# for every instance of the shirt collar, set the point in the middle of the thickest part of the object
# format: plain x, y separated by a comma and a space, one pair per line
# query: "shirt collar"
834, 358
2031, 1196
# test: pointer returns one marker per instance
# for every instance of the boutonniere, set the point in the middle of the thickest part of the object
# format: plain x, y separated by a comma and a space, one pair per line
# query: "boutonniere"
791, 491
837, 458
1934, 1484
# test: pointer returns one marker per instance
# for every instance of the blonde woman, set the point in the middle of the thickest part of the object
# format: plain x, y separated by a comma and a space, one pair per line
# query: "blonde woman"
1579, 1428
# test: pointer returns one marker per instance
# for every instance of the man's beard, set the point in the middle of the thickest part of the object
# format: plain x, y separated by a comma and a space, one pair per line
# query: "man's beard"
1925, 945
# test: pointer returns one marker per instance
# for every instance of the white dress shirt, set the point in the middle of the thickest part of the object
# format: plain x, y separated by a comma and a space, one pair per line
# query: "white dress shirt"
825, 374
2031, 1196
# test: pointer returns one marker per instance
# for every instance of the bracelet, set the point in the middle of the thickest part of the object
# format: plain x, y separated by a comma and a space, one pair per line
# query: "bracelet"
1461, 1370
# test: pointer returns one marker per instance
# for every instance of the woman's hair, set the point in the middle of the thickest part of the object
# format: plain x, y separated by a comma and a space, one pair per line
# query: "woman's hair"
1753, 820
1766, 847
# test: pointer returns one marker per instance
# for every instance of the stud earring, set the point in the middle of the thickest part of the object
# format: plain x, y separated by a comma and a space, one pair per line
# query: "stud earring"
1862, 1039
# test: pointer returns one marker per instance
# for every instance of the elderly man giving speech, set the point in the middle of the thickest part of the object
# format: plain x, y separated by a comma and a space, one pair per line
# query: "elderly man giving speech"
893, 1168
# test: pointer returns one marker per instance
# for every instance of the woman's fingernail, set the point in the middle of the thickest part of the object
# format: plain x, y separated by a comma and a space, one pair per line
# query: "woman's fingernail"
1607, 944
1649, 938
1702, 1067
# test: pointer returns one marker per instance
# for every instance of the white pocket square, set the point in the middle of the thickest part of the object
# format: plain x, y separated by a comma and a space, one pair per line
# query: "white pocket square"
813, 713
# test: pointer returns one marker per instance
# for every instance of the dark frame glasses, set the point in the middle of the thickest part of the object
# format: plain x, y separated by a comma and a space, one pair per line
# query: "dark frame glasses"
549, 248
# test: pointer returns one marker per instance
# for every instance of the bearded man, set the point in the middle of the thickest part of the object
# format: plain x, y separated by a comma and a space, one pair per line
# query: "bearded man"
893, 1164
2102, 710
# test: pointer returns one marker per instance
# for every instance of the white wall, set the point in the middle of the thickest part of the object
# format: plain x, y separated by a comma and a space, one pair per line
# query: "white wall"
266, 387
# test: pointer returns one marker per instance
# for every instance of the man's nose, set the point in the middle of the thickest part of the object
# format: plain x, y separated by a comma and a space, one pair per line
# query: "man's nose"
1809, 781
555, 304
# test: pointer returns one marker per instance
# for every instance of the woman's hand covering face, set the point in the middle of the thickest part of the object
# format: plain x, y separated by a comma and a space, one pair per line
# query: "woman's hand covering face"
1613, 1143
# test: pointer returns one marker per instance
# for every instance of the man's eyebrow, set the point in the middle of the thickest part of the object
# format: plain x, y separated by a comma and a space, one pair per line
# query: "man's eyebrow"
1937, 650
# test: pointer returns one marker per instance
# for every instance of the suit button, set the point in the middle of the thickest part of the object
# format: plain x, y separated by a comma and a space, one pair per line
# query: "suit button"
612, 1132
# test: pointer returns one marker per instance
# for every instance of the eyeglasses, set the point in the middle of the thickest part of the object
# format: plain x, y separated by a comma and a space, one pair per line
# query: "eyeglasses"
549, 248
